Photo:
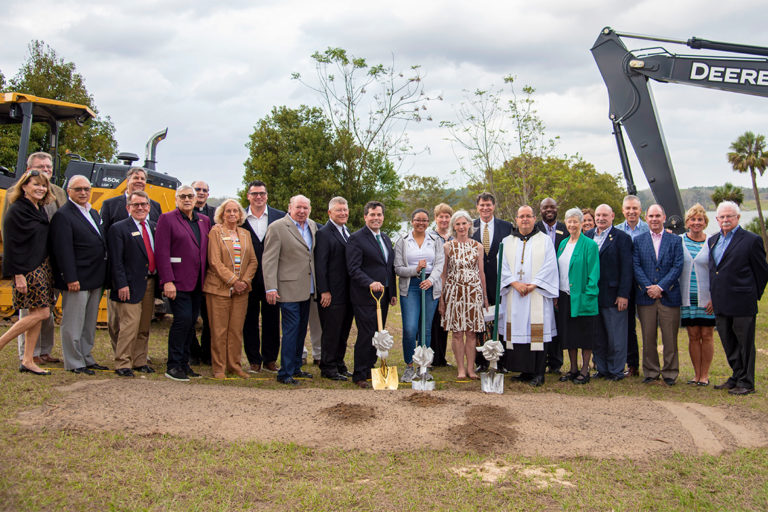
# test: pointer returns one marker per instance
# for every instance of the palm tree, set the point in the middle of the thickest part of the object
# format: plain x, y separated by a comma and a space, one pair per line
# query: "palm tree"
747, 154
727, 192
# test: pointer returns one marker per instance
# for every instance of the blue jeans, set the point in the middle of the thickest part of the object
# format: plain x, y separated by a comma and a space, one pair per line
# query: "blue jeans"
410, 306
294, 317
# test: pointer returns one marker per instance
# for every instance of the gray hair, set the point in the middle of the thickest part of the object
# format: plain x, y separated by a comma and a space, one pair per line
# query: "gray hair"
631, 197
201, 182
134, 170
77, 177
39, 155
729, 204
183, 187
296, 198
574, 212
336, 200
456, 216
218, 217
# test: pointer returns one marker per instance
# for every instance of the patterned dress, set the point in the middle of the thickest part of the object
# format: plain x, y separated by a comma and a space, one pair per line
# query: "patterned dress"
462, 291
695, 314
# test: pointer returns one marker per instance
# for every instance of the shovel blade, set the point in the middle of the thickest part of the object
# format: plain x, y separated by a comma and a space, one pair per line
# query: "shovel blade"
423, 385
384, 378
492, 382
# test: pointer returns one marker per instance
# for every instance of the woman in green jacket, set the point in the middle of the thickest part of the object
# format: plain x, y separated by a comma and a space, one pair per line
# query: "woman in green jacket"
578, 259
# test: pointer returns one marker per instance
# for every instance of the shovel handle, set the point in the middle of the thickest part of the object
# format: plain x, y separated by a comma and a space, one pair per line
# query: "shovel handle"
378, 309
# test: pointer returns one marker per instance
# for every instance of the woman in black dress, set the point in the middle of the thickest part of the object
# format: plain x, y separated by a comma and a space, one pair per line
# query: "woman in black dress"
25, 260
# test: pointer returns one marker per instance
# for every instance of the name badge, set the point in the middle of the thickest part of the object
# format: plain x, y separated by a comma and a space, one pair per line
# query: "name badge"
175, 260
559, 232
135, 233
226, 238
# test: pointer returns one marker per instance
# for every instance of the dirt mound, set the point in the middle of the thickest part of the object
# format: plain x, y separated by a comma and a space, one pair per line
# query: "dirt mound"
485, 430
425, 400
350, 413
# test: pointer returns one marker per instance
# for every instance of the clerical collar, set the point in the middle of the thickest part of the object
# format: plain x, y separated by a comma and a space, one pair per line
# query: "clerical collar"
527, 237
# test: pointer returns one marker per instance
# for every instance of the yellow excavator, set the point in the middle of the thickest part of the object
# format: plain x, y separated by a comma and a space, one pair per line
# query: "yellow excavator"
107, 179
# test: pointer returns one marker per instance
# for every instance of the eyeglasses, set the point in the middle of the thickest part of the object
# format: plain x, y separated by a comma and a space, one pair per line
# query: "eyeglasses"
258, 194
33, 173
81, 189
723, 217
201, 190
140, 205
43, 167
420, 220
186, 196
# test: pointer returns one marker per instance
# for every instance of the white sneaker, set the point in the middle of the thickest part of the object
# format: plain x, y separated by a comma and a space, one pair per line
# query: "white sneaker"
408, 374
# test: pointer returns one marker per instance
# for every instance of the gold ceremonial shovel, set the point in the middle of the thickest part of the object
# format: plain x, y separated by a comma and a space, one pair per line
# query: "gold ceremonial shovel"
384, 377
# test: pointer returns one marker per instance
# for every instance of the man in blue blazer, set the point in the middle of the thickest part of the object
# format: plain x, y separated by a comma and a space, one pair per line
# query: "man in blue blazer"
371, 265
658, 263
615, 286
261, 350
134, 284
738, 274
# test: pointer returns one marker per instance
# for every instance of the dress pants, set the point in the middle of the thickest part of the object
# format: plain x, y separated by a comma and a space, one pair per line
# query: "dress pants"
205, 336
261, 348
294, 320
113, 323
45, 340
133, 335
668, 320
737, 333
365, 320
633, 351
315, 332
227, 315
610, 348
78, 326
337, 322
185, 308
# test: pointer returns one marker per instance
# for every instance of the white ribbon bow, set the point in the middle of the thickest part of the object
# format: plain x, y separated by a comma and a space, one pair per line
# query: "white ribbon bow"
382, 342
492, 351
423, 357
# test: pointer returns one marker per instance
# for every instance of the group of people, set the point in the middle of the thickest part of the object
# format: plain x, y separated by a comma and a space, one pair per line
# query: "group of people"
252, 273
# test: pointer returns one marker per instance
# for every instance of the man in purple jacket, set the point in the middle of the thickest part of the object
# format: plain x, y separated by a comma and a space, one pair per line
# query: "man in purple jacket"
181, 246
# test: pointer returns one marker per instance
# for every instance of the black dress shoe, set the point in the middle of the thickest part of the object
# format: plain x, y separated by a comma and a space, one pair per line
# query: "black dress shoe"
669, 381
729, 384
536, 381
338, 376
192, 374
648, 380
83, 370
125, 372
616, 378
302, 375
346, 373
288, 380
95, 366
177, 374
738, 390
523, 377
144, 369
24, 369
598, 375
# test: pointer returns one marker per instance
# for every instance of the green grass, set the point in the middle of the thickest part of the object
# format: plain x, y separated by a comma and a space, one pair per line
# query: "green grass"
81, 470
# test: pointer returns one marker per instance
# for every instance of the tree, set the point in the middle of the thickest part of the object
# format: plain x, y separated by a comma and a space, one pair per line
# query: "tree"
424, 192
727, 192
47, 75
748, 154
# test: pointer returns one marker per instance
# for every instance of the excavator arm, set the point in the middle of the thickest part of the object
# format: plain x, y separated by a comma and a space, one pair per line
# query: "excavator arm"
626, 76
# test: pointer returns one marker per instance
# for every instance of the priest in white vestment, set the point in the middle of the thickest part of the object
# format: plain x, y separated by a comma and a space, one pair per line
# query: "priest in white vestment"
529, 282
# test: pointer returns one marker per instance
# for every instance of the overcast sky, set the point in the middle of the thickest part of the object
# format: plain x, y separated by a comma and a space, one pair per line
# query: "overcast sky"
210, 70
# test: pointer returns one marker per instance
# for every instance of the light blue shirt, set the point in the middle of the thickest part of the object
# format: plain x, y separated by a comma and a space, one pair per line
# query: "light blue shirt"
722, 244
641, 228
600, 237
306, 234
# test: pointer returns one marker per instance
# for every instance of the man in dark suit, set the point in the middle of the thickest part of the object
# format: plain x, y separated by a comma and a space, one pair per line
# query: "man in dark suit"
115, 209
79, 259
181, 249
615, 285
134, 284
371, 266
333, 290
203, 350
260, 349
557, 232
658, 262
738, 274
489, 231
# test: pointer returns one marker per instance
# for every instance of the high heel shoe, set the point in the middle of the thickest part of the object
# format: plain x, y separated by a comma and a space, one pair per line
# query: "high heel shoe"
24, 369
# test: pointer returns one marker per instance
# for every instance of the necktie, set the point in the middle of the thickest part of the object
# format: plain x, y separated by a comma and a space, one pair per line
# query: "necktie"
344, 234
148, 246
381, 246
486, 239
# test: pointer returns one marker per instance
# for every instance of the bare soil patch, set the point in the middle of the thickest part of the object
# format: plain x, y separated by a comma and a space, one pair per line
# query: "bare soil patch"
547, 424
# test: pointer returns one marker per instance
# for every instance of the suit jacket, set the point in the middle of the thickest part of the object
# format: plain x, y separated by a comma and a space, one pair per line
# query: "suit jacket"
273, 214
78, 251
221, 265
561, 232
331, 264
288, 263
664, 271
114, 209
366, 264
615, 267
208, 211
129, 264
501, 229
738, 282
180, 258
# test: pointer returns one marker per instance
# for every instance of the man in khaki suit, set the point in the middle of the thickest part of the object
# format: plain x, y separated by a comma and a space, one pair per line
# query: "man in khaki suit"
288, 264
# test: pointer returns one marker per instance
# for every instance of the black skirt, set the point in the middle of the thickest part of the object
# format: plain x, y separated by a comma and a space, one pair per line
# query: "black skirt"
574, 332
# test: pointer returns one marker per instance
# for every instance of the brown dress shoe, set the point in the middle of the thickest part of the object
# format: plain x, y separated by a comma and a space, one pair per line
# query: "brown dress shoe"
255, 368
49, 359
37, 360
271, 367
362, 384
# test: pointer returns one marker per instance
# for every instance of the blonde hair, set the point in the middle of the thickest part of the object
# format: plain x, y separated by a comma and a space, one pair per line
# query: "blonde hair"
18, 191
217, 216
443, 208
696, 211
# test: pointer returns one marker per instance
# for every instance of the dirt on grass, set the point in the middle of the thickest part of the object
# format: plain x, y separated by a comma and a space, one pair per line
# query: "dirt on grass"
546, 424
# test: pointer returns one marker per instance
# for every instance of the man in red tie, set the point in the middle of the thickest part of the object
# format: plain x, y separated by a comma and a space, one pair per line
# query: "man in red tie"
134, 283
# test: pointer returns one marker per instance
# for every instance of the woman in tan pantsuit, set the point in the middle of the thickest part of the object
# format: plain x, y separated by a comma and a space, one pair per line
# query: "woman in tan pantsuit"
231, 266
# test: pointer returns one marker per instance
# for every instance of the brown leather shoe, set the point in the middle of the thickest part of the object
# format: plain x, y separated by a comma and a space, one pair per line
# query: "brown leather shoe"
37, 360
362, 384
271, 367
49, 359
255, 368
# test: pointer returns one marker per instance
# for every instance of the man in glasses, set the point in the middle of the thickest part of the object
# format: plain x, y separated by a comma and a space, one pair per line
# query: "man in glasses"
260, 350
134, 284
201, 353
202, 191
43, 163
79, 261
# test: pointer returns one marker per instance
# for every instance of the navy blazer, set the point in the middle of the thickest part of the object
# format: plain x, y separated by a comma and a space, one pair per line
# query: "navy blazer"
273, 214
501, 229
331, 264
738, 282
128, 260
664, 272
616, 270
365, 264
114, 209
78, 251
561, 232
